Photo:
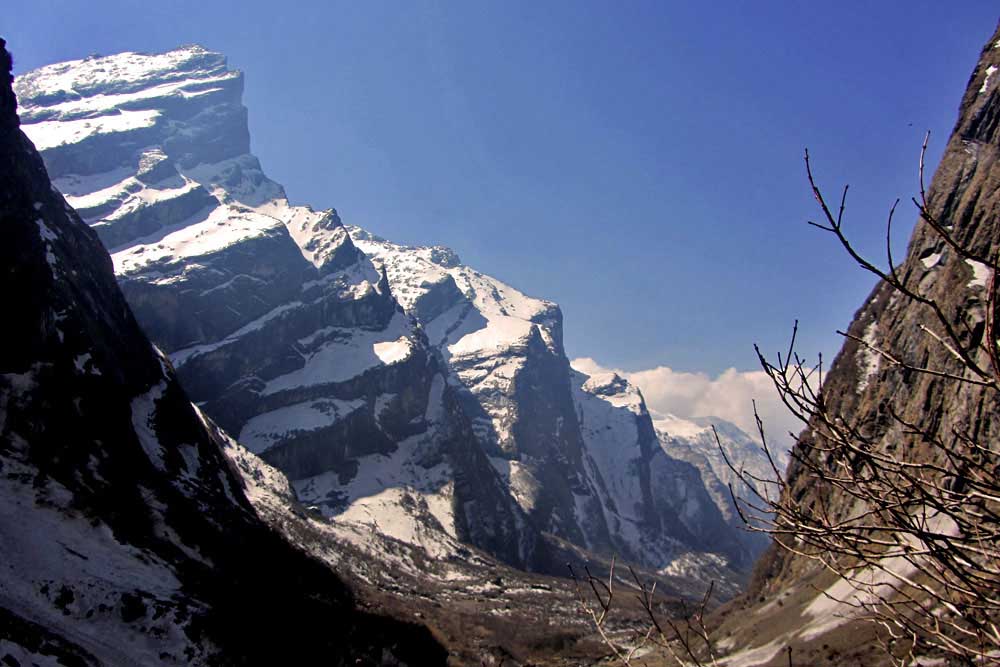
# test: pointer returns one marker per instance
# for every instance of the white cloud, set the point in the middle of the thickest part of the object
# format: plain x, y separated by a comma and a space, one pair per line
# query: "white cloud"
728, 396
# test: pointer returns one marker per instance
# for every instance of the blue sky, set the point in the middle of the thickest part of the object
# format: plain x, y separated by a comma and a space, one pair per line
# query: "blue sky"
639, 163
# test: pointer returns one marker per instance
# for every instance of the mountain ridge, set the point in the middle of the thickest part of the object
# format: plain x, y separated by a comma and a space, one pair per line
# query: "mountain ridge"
385, 380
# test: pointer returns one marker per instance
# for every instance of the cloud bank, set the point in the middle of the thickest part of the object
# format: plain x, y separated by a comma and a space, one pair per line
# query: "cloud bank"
728, 396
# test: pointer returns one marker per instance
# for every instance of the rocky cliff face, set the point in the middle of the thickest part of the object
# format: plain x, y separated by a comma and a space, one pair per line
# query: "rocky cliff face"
399, 390
965, 195
127, 538
652, 498
865, 390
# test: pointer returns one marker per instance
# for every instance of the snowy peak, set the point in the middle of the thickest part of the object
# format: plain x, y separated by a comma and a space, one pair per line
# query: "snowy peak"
579, 454
700, 432
78, 111
77, 88
656, 505
672, 426
608, 384
323, 239
720, 462
430, 280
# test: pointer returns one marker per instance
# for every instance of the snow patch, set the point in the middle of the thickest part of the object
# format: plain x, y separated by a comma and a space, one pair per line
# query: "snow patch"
143, 414
518, 477
395, 495
47, 546
693, 564
868, 359
500, 333
980, 273
85, 364
48, 236
263, 431
847, 597
760, 655
78, 189
986, 81
932, 260
45, 232
350, 354
390, 352
674, 426
201, 235
51, 133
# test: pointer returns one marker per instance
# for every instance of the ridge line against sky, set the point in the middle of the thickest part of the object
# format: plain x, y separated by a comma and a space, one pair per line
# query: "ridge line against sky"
640, 165
729, 396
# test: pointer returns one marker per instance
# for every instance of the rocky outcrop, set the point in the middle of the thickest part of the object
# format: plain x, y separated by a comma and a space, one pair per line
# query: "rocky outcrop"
965, 192
127, 537
864, 390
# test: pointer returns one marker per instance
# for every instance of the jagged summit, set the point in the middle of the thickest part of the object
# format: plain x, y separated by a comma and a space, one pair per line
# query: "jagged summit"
68, 84
607, 384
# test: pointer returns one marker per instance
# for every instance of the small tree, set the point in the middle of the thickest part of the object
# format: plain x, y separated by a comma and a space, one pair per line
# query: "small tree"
682, 635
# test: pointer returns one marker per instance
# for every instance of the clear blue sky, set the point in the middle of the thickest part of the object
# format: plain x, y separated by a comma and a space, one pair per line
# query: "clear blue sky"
639, 163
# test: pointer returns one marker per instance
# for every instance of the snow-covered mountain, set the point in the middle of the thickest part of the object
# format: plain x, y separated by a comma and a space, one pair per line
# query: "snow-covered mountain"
401, 391
278, 326
126, 535
694, 441
579, 454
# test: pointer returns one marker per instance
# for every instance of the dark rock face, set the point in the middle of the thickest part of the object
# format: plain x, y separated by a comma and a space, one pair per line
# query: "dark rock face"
965, 192
864, 392
126, 535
